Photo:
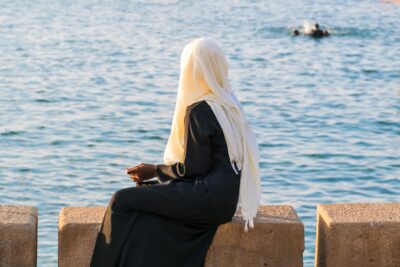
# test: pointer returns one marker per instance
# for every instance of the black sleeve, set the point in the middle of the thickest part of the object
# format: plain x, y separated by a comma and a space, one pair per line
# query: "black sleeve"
167, 172
198, 148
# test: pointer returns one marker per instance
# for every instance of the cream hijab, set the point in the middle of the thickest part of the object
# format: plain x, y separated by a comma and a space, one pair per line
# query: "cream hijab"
204, 76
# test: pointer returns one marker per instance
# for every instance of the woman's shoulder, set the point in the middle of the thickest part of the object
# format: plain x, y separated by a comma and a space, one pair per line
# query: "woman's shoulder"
200, 108
202, 113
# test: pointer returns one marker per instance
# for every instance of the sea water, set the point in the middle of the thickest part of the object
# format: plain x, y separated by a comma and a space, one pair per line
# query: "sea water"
88, 88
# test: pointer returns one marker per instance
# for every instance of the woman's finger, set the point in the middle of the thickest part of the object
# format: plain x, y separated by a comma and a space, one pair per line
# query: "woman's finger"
134, 167
135, 178
133, 170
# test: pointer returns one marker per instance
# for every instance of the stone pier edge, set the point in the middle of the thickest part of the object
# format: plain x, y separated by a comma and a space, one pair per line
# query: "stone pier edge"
320, 212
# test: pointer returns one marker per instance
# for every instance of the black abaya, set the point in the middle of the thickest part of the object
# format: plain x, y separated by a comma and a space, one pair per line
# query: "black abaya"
172, 223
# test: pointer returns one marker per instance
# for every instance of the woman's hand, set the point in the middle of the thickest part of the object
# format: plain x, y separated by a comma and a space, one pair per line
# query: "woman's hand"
142, 172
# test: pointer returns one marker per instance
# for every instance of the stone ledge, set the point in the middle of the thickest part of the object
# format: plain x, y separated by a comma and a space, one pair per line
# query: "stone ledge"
358, 234
277, 240
18, 236
77, 230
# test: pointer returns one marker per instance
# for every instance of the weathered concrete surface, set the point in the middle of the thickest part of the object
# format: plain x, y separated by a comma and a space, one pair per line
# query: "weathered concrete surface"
77, 231
277, 240
350, 235
18, 236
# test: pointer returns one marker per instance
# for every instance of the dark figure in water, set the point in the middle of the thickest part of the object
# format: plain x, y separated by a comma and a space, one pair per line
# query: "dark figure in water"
315, 33
318, 33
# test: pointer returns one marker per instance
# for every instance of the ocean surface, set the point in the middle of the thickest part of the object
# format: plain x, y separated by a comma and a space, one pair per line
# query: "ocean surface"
88, 88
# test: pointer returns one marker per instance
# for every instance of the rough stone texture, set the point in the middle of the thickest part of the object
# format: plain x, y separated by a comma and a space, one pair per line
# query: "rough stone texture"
77, 231
18, 236
277, 240
350, 234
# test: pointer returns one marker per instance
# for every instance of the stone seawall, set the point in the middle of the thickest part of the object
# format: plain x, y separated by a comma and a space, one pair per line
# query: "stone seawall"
18, 236
348, 235
276, 240
352, 234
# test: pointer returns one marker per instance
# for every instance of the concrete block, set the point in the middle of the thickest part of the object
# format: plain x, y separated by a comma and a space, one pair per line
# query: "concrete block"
276, 241
358, 234
18, 236
77, 232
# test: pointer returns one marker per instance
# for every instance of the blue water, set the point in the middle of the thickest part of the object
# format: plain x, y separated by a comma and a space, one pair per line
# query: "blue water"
88, 88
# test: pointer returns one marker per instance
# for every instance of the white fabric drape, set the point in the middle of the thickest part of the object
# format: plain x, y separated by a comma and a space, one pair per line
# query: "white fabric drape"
204, 76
